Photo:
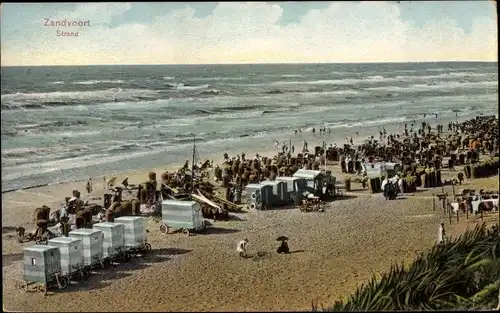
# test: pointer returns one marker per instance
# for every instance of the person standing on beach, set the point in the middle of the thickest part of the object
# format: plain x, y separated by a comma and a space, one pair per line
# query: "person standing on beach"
241, 248
441, 234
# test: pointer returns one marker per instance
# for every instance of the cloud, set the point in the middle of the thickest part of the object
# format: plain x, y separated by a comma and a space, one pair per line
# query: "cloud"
98, 13
251, 33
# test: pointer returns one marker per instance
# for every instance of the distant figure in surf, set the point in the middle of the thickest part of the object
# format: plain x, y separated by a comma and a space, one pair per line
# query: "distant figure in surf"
89, 186
293, 149
284, 148
304, 148
314, 130
116, 100
351, 141
296, 132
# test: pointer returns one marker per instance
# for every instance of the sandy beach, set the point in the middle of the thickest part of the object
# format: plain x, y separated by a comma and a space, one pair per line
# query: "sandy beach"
384, 96
333, 252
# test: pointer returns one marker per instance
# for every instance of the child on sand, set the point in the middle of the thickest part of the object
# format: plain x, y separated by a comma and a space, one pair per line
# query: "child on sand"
241, 248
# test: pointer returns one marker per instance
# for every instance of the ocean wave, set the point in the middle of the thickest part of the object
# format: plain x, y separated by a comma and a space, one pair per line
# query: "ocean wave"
366, 122
450, 69
453, 85
182, 86
274, 91
373, 79
217, 78
22, 152
445, 85
94, 82
348, 92
168, 77
188, 87
292, 75
57, 83
67, 163
443, 75
62, 98
210, 92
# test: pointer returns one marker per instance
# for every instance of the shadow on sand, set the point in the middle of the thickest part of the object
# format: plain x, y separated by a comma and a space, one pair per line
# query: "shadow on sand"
8, 229
8, 259
343, 197
103, 277
421, 189
233, 217
212, 230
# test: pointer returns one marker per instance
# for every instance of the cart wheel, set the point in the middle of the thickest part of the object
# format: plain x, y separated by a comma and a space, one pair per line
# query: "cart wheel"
185, 231
63, 282
147, 246
107, 262
164, 228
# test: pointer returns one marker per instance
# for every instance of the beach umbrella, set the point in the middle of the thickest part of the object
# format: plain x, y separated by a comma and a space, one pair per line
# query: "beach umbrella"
282, 238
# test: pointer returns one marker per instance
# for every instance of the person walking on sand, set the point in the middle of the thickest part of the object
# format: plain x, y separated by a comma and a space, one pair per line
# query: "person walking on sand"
241, 248
441, 234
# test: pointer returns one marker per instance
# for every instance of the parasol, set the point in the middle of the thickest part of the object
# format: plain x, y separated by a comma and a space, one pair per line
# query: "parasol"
282, 238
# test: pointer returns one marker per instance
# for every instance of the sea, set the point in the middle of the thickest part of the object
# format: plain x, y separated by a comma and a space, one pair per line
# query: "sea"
69, 123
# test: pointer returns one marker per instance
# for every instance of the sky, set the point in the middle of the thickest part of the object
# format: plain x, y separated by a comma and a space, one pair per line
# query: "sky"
249, 32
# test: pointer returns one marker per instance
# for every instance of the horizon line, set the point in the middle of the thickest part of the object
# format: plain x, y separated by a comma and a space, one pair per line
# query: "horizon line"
271, 63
